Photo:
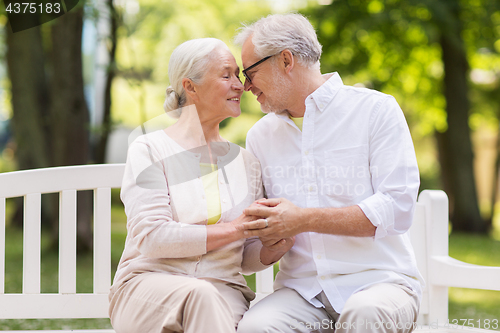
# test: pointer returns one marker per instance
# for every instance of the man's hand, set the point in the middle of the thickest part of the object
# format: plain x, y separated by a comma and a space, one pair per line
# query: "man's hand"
283, 219
273, 249
278, 245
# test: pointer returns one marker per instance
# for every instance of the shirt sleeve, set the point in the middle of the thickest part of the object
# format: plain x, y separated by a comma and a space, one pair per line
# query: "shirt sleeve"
150, 225
394, 171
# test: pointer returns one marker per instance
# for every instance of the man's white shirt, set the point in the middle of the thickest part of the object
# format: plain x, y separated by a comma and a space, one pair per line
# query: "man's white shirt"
355, 148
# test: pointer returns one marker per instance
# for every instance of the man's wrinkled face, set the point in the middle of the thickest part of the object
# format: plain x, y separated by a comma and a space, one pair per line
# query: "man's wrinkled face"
267, 81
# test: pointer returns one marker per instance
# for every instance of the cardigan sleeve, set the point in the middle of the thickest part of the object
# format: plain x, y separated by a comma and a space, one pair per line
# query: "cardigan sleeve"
150, 223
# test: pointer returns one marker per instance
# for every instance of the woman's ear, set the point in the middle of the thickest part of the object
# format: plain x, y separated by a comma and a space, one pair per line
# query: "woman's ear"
189, 88
288, 60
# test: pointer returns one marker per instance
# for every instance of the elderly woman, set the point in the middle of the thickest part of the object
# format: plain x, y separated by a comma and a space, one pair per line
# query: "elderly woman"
184, 190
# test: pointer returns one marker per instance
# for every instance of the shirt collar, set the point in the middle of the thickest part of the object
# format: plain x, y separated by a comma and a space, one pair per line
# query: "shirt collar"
327, 91
321, 96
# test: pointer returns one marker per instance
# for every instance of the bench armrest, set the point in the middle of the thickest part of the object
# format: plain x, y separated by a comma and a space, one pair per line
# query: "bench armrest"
447, 271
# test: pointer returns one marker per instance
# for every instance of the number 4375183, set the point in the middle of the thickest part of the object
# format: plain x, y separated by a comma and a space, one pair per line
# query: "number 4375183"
33, 8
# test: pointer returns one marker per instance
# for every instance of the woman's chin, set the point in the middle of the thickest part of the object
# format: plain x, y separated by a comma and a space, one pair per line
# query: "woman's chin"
236, 114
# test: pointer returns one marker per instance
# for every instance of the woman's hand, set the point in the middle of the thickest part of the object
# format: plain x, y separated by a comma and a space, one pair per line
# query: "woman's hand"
238, 223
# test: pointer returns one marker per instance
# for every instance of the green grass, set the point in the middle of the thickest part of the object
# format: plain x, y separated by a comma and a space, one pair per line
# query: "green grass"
463, 304
479, 305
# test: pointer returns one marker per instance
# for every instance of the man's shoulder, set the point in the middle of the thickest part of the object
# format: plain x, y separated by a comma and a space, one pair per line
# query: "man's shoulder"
364, 91
368, 102
334, 85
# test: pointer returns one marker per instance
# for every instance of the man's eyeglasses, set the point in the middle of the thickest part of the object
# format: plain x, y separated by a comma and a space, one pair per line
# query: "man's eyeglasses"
252, 66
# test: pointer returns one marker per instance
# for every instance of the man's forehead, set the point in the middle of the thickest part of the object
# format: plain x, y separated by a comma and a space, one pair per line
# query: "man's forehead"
247, 52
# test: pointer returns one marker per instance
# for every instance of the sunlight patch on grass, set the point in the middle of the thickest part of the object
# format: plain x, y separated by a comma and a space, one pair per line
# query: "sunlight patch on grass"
481, 306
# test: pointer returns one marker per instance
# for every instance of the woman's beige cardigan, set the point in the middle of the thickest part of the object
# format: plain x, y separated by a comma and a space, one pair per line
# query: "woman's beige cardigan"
166, 212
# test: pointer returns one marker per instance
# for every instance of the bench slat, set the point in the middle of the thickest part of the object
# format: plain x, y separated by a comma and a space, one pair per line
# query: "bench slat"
56, 179
31, 243
67, 242
436, 225
2, 247
418, 241
32, 306
102, 237
264, 281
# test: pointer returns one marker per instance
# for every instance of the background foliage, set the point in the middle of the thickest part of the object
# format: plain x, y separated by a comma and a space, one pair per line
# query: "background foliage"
451, 100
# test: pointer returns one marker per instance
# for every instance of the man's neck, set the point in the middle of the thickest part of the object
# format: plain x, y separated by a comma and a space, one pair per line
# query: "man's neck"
309, 81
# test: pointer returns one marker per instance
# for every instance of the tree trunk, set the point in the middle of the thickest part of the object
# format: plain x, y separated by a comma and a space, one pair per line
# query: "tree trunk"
30, 102
69, 112
454, 145
106, 127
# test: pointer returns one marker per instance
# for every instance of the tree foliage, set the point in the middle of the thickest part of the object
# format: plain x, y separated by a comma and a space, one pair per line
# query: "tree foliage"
149, 35
50, 116
419, 51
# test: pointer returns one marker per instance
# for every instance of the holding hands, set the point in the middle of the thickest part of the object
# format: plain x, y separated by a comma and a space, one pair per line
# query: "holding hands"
279, 218
275, 222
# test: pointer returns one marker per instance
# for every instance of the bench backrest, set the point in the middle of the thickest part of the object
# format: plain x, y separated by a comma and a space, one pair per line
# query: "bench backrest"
429, 236
66, 181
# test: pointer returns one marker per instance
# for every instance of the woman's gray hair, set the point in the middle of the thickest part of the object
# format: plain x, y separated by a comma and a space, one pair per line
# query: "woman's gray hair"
189, 60
275, 33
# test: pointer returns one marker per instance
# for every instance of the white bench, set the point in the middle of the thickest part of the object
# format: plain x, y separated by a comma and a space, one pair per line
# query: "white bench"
429, 235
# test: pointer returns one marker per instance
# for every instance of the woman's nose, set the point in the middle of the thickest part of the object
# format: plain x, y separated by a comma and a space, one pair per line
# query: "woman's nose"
238, 85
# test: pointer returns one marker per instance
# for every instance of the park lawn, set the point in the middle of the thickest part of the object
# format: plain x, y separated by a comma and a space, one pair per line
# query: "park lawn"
482, 306
464, 304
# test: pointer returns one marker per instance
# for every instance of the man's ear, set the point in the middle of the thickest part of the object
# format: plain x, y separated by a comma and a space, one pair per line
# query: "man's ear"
288, 60
189, 88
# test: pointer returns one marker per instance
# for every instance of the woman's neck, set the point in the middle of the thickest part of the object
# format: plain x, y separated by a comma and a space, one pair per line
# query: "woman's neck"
192, 131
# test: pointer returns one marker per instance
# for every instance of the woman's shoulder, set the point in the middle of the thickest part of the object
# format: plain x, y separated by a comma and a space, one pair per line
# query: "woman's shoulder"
156, 145
148, 139
248, 157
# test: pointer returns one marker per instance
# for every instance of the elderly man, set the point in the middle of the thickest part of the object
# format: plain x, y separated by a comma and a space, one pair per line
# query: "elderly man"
341, 176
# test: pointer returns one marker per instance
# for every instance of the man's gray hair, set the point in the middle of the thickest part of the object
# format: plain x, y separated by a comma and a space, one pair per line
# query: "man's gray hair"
275, 33
189, 60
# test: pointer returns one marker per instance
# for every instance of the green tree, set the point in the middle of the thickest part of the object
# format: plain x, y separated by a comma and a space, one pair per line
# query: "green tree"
50, 116
148, 37
415, 50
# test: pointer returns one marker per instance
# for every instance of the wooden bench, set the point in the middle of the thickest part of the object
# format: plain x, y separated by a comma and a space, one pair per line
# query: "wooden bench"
429, 235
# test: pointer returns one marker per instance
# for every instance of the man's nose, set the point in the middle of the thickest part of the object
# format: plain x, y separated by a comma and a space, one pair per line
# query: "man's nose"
248, 85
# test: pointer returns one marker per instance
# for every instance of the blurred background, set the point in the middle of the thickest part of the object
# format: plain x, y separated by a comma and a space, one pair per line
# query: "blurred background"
73, 90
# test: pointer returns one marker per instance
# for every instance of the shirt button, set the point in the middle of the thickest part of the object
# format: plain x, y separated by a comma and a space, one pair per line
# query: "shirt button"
321, 106
322, 278
310, 188
306, 152
318, 256
199, 258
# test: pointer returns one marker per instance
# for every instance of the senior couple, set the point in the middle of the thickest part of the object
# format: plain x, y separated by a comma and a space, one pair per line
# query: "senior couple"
327, 185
